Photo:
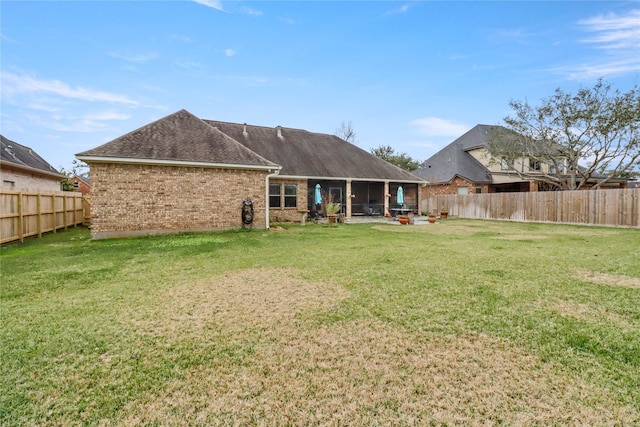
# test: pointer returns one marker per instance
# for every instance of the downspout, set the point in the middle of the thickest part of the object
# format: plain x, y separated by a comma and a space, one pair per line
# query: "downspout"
273, 173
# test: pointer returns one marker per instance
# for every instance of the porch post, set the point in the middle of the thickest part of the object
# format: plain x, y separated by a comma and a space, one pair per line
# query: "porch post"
348, 198
386, 197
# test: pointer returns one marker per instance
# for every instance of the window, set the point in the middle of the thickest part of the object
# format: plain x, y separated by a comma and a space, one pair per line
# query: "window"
557, 167
505, 165
274, 196
463, 190
478, 190
8, 184
283, 195
534, 165
76, 185
290, 196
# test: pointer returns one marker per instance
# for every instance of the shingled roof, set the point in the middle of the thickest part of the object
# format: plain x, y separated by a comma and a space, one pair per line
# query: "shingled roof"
313, 155
180, 137
455, 160
18, 155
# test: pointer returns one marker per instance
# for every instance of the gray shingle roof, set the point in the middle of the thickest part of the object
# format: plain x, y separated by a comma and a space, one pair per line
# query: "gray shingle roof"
454, 159
21, 156
180, 137
313, 155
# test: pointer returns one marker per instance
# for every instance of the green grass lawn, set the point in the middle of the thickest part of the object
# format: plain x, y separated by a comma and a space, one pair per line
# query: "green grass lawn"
461, 322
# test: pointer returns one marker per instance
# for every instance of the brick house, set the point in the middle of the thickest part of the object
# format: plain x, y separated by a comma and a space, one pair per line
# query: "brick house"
466, 167
22, 169
182, 173
360, 182
81, 184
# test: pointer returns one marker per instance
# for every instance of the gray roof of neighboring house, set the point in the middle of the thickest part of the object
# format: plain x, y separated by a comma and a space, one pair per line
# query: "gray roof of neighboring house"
313, 155
179, 137
454, 159
24, 157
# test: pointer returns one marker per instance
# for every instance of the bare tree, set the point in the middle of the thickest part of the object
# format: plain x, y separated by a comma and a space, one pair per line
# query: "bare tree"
570, 139
346, 132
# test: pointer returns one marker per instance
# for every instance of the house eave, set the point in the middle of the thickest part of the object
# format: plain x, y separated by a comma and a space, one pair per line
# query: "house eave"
32, 170
135, 161
344, 178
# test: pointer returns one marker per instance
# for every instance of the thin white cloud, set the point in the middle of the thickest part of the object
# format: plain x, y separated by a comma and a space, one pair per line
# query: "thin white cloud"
434, 126
42, 106
189, 64
250, 11
180, 38
137, 58
91, 122
215, 4
229, 52
107, 115
400, 10
14, 84
287, 20
618, 35
614, 31
601, 69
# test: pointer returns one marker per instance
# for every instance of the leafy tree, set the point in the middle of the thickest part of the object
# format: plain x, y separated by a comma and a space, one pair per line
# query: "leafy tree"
597, 127
79, 168
346, 132
402, 160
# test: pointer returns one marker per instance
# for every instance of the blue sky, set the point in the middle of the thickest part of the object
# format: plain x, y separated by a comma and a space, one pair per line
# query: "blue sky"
414, 75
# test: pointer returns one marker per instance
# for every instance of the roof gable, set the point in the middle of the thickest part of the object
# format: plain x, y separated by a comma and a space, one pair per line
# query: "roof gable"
179, 137
312, 155
454, 159
24, 157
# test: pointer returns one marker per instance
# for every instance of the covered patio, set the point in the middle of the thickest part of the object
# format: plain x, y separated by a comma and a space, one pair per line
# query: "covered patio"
362, 198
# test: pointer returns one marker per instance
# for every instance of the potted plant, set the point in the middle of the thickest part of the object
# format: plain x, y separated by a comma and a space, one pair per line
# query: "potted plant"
431, 216
332, 210
403, 219
444, 212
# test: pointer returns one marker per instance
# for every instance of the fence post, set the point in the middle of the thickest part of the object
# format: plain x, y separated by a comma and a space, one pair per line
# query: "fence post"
39, 218
64, 211
20, 218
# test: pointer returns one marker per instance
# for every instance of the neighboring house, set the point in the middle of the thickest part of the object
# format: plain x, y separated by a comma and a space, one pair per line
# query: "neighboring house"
183, 173
465, 167
81, 184
22, 169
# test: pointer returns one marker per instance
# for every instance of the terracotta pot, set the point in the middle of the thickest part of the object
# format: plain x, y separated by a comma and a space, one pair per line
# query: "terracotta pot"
403, 220
432, 218
444, 214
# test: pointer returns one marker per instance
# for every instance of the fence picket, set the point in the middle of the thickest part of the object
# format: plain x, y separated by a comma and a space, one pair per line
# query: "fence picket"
26, 214
615, 207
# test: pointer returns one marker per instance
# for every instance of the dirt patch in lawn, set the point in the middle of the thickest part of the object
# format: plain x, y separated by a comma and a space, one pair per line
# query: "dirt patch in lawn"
608, 279
245, 299
368, 372
587, 312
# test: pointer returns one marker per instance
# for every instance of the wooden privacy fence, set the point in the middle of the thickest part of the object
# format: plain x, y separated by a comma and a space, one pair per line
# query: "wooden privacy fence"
26, 214
616, 207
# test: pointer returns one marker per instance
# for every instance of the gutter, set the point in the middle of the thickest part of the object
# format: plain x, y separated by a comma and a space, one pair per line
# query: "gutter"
32, 169
338, 178
134, 161
274, 172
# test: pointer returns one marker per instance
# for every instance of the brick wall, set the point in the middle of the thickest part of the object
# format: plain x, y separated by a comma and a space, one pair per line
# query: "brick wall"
451, 188
20, 180
82, 186
131, 200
